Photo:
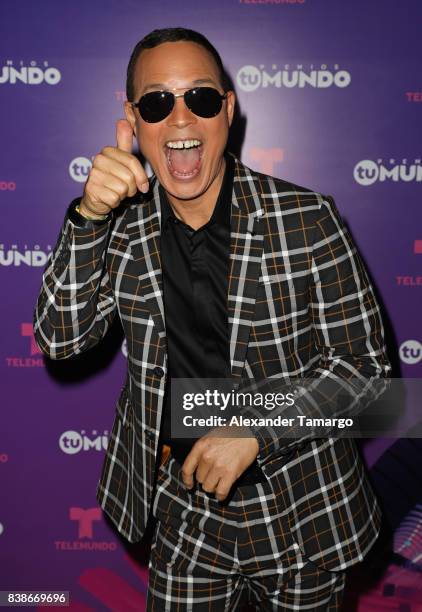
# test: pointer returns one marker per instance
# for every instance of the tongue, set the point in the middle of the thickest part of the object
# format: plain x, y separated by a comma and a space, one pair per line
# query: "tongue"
184, 161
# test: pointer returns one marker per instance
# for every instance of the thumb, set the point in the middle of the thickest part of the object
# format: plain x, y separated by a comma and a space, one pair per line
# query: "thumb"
124, 135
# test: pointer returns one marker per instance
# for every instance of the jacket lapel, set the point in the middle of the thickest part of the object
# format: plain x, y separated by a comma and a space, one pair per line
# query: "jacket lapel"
246, 245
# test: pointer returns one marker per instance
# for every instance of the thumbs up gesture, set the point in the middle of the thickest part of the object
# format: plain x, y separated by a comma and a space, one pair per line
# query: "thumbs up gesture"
115, 175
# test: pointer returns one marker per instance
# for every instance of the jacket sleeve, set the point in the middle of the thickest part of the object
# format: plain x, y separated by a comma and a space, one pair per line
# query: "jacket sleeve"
75, 305
348, 332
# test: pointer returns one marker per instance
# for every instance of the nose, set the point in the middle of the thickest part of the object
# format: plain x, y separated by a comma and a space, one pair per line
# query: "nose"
180, 116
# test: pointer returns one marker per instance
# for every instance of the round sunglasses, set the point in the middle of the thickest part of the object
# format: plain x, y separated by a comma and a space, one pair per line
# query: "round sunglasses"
204, 102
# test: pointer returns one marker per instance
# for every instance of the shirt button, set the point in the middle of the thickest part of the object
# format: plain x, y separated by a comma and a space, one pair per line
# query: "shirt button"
158, 371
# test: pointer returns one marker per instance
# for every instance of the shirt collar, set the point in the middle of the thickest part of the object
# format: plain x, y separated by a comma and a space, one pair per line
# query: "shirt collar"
222, 208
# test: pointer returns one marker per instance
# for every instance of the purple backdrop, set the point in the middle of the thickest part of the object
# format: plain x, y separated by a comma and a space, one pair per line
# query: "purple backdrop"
330, 96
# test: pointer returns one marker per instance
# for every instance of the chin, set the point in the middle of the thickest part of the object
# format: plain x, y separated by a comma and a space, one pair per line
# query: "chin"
185, 191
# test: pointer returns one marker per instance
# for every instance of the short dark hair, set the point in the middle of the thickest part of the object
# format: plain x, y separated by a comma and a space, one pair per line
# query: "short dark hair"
158, 37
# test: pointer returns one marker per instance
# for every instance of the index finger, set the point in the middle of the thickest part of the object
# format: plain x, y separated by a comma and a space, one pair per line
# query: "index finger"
189, 466
124, 135
131, 162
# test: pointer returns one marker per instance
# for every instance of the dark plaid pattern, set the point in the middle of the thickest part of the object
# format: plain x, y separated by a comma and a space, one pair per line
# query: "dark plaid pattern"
300, 304
209, 556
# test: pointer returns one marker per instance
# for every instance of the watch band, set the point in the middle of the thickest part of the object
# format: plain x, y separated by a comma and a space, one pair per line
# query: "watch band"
80, 220
99, 218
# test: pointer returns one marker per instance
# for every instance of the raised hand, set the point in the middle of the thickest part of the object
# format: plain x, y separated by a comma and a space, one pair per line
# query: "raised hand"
115, 175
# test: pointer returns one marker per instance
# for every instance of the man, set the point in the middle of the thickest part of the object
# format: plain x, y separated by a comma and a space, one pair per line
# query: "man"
216, 271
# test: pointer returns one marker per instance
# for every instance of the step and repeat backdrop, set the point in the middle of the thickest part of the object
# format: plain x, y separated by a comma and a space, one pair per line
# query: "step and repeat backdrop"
329, 97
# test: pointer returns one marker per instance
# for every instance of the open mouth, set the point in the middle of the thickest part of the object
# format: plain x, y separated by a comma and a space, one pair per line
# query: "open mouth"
184, 157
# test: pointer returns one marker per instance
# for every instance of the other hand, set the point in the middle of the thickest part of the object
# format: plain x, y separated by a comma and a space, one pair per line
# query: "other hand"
218, 461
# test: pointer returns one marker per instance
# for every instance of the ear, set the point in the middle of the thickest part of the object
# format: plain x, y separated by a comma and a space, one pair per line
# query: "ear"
230, 102
130, 115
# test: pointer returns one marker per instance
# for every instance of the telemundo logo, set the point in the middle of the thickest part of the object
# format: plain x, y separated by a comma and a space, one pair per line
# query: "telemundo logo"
367, 172
249, 78
32, 74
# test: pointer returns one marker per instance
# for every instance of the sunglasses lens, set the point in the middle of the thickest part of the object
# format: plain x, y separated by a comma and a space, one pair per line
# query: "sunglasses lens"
155, 106
204, 101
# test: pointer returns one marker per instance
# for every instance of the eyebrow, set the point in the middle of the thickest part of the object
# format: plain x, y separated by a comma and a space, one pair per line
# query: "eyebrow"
162, 86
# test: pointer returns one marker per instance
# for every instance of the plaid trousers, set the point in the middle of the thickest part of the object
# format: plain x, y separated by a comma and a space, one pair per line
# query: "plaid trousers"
214, 556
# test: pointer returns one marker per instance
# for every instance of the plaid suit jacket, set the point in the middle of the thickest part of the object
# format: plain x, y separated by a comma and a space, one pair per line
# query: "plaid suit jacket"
299, 304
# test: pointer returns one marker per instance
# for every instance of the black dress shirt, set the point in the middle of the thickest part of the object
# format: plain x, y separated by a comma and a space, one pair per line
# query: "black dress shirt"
195, 267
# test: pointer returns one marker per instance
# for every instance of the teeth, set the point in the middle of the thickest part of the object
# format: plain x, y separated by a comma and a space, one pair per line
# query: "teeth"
183, 144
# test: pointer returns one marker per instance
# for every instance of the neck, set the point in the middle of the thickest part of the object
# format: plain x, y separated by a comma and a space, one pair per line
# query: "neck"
198, 211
